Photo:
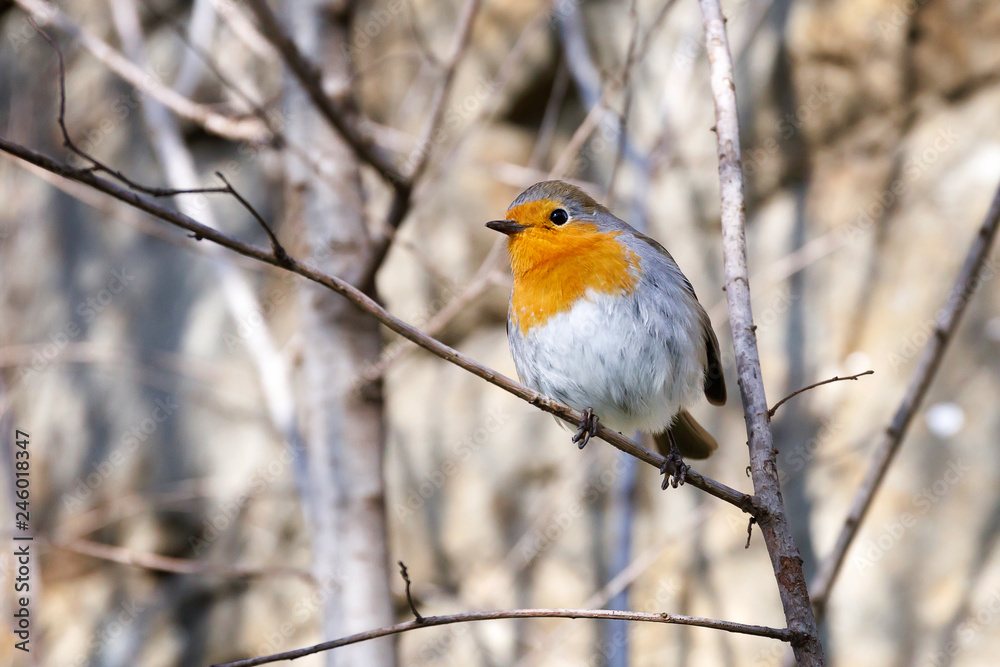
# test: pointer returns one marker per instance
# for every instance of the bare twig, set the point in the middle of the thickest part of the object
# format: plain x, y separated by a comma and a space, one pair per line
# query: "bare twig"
369, 305
550, 117
419, 157
486, 275
97, 165
178, 165
770, 413
279, 250
308, 76
236, 129
946, 324
158, 563
781, 634
626, 84
772, 520
409, 598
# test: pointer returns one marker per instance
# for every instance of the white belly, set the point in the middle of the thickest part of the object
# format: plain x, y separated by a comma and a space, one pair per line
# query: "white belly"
636, 363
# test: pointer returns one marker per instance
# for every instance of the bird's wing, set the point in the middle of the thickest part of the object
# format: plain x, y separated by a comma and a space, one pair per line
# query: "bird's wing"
715, 381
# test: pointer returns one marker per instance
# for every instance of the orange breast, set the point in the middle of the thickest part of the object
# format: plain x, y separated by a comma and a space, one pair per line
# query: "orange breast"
554, 268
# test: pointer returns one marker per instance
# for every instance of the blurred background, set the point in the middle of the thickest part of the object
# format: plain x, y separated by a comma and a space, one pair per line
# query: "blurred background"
228, 463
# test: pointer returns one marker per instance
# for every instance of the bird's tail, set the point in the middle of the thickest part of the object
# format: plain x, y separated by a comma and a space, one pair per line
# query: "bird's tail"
693, 441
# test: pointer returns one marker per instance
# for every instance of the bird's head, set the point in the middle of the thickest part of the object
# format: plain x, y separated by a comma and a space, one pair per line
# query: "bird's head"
553, 221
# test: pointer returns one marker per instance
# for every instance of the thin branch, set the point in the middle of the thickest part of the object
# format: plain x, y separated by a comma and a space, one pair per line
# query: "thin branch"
772, 520
485, 277
409, 598
550, 117
279, 250
750, 524
418, 36
369, 305
279, 139
946, 324
309, 77
623, 119
159, 563
97, 165
780, 634
770, 413
420, 155
236, 129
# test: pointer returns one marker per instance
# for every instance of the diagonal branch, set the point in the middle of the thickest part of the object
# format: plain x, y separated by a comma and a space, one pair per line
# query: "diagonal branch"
947, 322
767, 493
781, 634
856, 376
308, 76
172, 565
367, 304
420, 156
236, 129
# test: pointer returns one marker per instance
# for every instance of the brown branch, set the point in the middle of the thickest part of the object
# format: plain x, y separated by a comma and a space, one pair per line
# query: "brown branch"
770, 413
159, 563
279, 139
420, 156
236, 129
485, 277
365, 303
409, 598
780, 634
97, 165
308, 76
772, 520
277, 249
944, 330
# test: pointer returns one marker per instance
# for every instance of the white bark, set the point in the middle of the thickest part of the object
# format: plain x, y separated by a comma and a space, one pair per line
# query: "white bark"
345, 434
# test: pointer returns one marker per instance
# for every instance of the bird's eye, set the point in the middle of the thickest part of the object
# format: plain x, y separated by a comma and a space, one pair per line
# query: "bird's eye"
559, 216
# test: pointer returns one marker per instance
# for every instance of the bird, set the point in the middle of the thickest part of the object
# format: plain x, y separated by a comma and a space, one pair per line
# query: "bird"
602, 319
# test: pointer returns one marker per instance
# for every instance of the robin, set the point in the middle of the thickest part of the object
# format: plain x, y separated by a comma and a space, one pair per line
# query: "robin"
602, 319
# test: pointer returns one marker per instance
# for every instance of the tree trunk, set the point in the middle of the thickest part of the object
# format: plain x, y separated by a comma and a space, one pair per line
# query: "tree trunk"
345, 430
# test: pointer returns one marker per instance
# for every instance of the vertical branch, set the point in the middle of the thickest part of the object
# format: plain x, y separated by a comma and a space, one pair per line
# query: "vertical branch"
179, 168
946, 323
771, 514
345, 430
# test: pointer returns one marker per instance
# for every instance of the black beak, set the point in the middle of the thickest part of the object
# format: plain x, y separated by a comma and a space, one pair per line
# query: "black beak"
507, 227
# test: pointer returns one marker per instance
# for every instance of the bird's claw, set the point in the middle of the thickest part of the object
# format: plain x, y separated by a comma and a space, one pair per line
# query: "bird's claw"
587, 429
674, 470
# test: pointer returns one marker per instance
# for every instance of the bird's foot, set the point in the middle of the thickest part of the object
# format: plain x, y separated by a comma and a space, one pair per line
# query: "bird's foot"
587, 429
674, 470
